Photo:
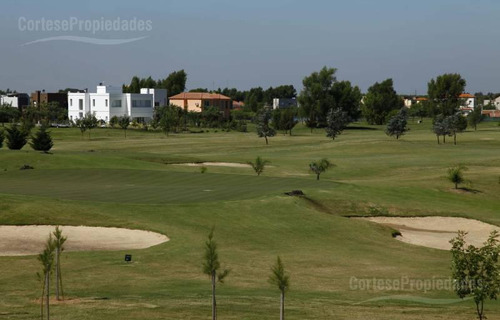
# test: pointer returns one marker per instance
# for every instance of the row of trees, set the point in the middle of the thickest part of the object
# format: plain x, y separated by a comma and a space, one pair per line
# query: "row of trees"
50, 259
17, 138
175, 83
212, 268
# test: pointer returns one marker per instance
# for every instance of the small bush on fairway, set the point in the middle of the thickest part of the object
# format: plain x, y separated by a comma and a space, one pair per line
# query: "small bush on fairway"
42, 141
456, 175
203, 169
318, 167
17, 138
259, 165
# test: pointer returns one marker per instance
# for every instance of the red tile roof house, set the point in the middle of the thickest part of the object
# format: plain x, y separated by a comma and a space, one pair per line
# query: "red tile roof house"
196, 101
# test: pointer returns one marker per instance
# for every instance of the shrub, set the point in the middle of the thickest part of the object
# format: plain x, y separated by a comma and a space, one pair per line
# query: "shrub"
42, 141
17, 138
456, 175
203, 169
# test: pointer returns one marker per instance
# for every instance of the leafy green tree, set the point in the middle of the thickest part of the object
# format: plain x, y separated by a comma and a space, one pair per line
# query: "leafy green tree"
318, 167
124, 123
316, 97
444, 93
475, 117
42, 141
440, 128
380, 101
175, 83
259, 165
455, 124
59, 241
280, 278
91, 122
456, 175
337, 120
397, 125
284, 119
8, 114
264, 130
81, 124
16, 137
212, 268
113, 122
476, 271
46, 258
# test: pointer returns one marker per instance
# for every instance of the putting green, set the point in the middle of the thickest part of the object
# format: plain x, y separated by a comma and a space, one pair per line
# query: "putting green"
138, 186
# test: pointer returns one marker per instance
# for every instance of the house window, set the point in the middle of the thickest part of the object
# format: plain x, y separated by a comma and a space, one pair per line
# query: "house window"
141, 103
93, 102
80, 115
70, 102
80, 104
206, 103
116, 103
106, 102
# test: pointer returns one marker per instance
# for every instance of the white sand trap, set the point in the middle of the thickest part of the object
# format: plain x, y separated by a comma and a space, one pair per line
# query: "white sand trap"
436, 232
215, 164
29, 240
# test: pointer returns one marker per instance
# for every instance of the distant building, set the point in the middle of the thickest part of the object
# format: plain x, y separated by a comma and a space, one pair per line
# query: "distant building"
468, 101
238, 105
281, 103
109, 101
16, 100
495, 103
40, 97
196, 101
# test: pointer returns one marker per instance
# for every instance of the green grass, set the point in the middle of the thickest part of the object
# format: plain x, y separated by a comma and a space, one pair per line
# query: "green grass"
130, 183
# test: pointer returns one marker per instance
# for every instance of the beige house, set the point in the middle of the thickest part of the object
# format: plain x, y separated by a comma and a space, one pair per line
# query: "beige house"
196, 101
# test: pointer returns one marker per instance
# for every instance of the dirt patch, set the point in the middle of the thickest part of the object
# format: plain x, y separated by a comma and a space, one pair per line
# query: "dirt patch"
30, 240
215, 164
436, 232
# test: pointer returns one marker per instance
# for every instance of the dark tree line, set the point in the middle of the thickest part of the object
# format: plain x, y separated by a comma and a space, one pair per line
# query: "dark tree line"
175, 83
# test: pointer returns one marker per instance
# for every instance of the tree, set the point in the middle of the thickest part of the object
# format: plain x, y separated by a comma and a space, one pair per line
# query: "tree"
124, 122
337, 120
444, 93
211, 267
175, 83
284, 119
16, 137
380, 101
318, 167
82, 125
113, 122
91, 122
476, 271
281, 279
316, 98
42, 140
455, 124
456, 175
2, 137
259, 165
397, 125
46, 258
264, 130
59, 241
475, 117
8, 114
439, 127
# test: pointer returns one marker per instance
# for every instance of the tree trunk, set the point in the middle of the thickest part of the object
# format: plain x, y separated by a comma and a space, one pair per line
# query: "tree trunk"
480, 310
125, 133
267, 142
444, 139
455, 139
60, 278
214, 303
41, 299
456, 185
57, 274
317, 176
47, 294
282, 306
439, 142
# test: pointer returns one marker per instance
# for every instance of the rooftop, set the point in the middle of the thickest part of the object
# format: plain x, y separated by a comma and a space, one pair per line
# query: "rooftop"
199, 96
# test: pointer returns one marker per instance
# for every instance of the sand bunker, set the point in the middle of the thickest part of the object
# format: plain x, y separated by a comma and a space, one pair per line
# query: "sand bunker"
215, 164
29, 240
436, 232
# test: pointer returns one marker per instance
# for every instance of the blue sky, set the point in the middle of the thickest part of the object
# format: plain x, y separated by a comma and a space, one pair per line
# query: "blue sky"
258, 43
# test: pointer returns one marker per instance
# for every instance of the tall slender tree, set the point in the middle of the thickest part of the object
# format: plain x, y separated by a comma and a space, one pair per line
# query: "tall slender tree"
124, 123
46, 258
264, 130
59, 241
280, 278
212, 268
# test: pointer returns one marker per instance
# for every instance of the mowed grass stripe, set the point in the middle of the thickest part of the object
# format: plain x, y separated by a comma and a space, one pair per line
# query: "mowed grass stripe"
153, 187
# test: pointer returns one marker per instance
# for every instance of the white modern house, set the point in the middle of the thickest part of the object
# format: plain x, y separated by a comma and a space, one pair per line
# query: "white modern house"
16, 100
109, 101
